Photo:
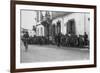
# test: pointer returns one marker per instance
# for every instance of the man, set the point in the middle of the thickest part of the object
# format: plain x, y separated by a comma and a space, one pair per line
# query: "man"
25, 37
85, 38
59, 38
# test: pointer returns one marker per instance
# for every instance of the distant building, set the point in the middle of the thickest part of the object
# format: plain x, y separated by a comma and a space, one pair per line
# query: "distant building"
40, 30
43, 23
31, 33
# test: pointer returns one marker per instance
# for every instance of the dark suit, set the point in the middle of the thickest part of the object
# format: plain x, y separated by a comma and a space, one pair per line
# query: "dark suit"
58, 41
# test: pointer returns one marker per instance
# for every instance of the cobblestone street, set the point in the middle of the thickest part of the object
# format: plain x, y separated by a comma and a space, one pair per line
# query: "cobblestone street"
45, 53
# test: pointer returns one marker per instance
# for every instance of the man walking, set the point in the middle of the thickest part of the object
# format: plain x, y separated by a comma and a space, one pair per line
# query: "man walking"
25, 41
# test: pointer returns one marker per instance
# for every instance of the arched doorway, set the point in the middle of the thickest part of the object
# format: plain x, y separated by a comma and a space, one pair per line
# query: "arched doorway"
58, 26
71, 27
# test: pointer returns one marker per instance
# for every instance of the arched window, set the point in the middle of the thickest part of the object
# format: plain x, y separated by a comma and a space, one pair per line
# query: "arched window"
58, 26
71, 27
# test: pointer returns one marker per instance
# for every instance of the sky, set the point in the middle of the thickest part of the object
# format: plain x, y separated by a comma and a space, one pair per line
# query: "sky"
28, 19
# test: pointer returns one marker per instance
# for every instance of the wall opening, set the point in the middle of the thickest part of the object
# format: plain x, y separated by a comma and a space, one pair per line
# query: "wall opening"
71, 27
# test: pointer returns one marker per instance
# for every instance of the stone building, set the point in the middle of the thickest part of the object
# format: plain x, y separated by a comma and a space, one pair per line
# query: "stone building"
51, 23
74, 23
43, 23
40, 30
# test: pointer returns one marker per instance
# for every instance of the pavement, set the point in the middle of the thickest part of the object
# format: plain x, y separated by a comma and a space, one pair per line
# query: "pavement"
48, 53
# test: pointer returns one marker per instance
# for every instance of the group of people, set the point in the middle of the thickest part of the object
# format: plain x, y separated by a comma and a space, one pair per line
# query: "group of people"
71, 40
58, 40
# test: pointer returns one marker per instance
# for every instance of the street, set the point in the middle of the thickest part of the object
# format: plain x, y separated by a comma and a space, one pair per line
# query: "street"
46, 53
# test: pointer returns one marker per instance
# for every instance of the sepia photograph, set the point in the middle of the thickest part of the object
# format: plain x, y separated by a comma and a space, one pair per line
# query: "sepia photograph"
52, 36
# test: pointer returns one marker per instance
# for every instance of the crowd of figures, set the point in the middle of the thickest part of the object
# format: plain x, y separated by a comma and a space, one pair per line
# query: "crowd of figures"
72, 40
68, 40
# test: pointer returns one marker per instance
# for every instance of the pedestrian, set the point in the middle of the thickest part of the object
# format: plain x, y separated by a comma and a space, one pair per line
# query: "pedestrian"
85, 38
58, 39
26, 37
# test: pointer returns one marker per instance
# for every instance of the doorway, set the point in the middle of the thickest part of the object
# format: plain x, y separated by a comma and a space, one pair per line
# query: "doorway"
71, 27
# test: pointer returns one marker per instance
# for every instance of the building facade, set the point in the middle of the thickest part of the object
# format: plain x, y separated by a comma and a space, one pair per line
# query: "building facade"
74, 23
65, 23
40, 30
43, 23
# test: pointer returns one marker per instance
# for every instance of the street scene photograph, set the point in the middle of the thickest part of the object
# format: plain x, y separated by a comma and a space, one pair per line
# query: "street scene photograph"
50, 36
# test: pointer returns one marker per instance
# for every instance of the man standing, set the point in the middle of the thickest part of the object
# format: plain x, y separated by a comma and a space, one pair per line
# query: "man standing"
85, 38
